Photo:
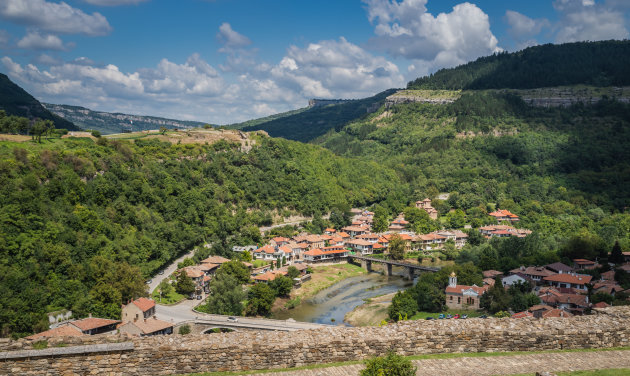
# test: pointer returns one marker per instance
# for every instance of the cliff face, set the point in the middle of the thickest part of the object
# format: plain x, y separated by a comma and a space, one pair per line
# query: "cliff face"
108, 123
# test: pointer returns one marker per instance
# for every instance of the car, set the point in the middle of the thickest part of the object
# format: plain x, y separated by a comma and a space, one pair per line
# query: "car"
449, 316
441, 316
464, 317
161, 272
483, 317
429, 318
232, 319
149, 281
456, 316
199, 297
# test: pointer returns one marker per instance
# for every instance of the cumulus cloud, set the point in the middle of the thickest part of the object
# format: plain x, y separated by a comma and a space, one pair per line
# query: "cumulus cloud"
53, 17
230, 38
408, 30
113, 2
33, 40
587, 20
523, 28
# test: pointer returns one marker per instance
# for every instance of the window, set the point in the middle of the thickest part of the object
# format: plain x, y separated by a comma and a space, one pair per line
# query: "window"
459, 300
451, 298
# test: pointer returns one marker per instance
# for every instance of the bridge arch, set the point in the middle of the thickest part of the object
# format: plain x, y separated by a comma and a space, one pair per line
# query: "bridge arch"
218, 329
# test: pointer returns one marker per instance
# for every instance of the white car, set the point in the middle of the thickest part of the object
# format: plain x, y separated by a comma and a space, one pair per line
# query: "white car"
232, 319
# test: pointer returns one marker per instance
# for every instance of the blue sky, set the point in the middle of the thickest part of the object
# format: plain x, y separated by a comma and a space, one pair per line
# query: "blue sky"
222, 61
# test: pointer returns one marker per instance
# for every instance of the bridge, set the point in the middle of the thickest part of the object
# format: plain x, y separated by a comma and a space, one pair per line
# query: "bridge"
366, 263
206, 323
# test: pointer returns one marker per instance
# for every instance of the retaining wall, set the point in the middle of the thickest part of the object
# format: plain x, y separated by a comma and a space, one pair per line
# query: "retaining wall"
175, 354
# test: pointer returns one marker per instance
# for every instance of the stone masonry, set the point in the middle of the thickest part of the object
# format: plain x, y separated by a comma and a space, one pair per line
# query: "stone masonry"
175, 354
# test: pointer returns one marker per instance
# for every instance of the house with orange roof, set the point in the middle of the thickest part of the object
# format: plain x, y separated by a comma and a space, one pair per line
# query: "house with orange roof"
314, 241
146, 327
503, 231
336, 240
354, 231
279, 241
457, 236
569, 280
361, 246
87, 326
267, 253
535, 273
426, 206
267, 277
430, 241
328, 254
330, 231
215, 260
344, 235
140, 308
583, 264
463, 296
370, 237
504, 215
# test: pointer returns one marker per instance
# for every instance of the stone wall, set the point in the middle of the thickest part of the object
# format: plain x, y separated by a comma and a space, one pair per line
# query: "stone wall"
165, 355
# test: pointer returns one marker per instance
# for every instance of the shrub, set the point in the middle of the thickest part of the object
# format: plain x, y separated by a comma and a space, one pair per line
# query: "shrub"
184, 329
390, 365
96, 133
40, 345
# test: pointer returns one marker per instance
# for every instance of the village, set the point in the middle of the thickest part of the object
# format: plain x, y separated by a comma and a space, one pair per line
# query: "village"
562, 290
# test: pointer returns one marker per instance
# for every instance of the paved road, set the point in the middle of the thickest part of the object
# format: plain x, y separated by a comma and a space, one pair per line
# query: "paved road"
491, 366
183, 312
155, 281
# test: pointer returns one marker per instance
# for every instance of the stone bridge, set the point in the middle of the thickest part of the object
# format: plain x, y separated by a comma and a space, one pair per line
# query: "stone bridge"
366, 263
205, 323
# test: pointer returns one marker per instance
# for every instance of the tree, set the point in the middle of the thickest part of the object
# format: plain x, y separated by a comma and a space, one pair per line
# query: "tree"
284, 260
186, 262
260, 300
390, 365
449, 250
278, 263
184, 284
39, 128
96, 133
226, 295
163, 130
396, 247
403, 305
496, 299
381, 219
281, 285
602, 296
616, 256
293, 272
429, 297
236, 269
456, 219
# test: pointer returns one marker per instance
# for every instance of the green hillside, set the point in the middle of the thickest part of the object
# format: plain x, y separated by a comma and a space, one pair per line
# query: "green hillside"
83, 223
590, 63
17, 102
307, 124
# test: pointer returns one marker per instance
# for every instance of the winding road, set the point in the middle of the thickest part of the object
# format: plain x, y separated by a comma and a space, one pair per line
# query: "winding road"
155, 281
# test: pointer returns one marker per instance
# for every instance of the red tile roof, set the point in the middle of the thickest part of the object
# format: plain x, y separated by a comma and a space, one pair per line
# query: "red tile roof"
92, 323
503, 213
215, 260
556, 313
150, 325
62, 331
521, 315
458, 289
576, 279
601, 305
144, 304
330, 230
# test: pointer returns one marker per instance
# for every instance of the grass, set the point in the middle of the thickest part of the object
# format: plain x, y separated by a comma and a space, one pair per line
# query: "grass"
424, 315
170, 298
326, 276
610, 372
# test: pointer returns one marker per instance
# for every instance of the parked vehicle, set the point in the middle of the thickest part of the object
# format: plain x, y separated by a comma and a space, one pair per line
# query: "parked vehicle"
456, 316
161, 272
449, 316
199, 297
149, 281
429, 318
441, 316
483, 317
464, 317
232, 319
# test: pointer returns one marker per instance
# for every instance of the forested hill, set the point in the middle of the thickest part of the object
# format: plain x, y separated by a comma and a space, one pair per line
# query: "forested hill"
16, 101
590, 63
83, 223
306, 124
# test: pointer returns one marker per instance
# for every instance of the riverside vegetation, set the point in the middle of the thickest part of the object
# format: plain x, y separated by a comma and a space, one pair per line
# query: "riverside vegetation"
83, 222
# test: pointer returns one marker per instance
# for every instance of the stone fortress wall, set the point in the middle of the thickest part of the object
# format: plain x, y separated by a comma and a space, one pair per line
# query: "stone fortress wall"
166, 355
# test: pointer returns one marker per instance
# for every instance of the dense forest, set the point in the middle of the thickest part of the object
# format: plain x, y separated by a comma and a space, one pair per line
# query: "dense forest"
83, 223
591, 63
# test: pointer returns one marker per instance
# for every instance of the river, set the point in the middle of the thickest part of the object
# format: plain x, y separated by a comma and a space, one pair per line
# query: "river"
330, 305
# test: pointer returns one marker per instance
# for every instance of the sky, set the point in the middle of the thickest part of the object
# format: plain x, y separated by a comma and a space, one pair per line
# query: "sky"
225, 61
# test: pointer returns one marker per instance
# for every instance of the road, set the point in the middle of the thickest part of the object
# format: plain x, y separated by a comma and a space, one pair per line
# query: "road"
155, 281
183, 312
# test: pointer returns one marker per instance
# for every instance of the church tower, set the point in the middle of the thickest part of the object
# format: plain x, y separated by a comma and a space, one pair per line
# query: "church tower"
452, 280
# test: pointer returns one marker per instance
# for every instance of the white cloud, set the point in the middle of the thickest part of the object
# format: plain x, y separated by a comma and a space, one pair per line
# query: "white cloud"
523, 28
406, 29
54, 17
230, 38
582, 20
114, 2
45, 59
33, 40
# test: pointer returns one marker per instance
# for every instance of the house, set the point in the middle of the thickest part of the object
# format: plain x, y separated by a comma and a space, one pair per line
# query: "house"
361, 246
208, 269
328, 254
430, 241
399, 224
535, 273
426, 206
463, 296
601, 305
140, 308
267, 253
575, 303
504, 215
146, 327
459, 237
515, 279
609, 287
570, 280
279, 241
246, 248
215, 260
503, 231
492, 273
314, 241
330, 231
194, 273
355, 231
76, 328
558, 267
608, 276
521, 315
583, 264
267, 277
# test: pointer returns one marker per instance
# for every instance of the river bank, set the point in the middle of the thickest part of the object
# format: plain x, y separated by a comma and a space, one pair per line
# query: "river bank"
370, 313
